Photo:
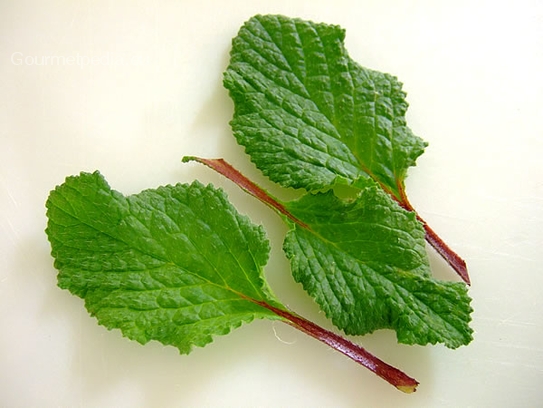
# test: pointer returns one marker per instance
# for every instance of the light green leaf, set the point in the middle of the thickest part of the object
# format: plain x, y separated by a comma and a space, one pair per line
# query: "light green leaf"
364, 262
308, 115
176, 264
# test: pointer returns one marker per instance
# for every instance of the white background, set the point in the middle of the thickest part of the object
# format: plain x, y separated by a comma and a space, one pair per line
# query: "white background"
473, 73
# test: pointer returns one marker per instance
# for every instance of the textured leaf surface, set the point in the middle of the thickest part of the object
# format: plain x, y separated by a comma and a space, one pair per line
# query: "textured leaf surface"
364, 262
177, 264
308, 115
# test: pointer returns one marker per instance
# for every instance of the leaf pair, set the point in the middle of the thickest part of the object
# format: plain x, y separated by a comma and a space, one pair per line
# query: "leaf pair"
310, 117
177, 264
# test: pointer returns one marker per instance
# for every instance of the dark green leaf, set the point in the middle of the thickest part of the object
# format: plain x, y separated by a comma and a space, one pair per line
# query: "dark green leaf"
177, 264
364, 262
308, 115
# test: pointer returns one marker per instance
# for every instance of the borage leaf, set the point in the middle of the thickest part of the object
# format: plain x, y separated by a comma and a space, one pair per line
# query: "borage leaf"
177, 264
311, 117
363, 260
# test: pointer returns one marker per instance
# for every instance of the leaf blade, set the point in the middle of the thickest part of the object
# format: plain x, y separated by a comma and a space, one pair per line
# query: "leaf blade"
308, 115
367, 276
148, 264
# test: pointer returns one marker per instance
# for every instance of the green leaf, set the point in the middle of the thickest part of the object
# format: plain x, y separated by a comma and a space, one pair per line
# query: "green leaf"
311, 117
364, 262
176, 264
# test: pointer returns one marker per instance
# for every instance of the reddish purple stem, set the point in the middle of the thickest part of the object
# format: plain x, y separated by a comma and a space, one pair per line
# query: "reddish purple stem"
452, 258
223, 167
390, 374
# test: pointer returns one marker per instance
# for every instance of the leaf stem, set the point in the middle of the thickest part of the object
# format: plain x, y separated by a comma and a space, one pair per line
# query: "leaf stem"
226, 169
452, 258
390, 374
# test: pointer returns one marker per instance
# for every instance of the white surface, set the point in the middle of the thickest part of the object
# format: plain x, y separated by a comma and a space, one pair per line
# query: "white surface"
472, 71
